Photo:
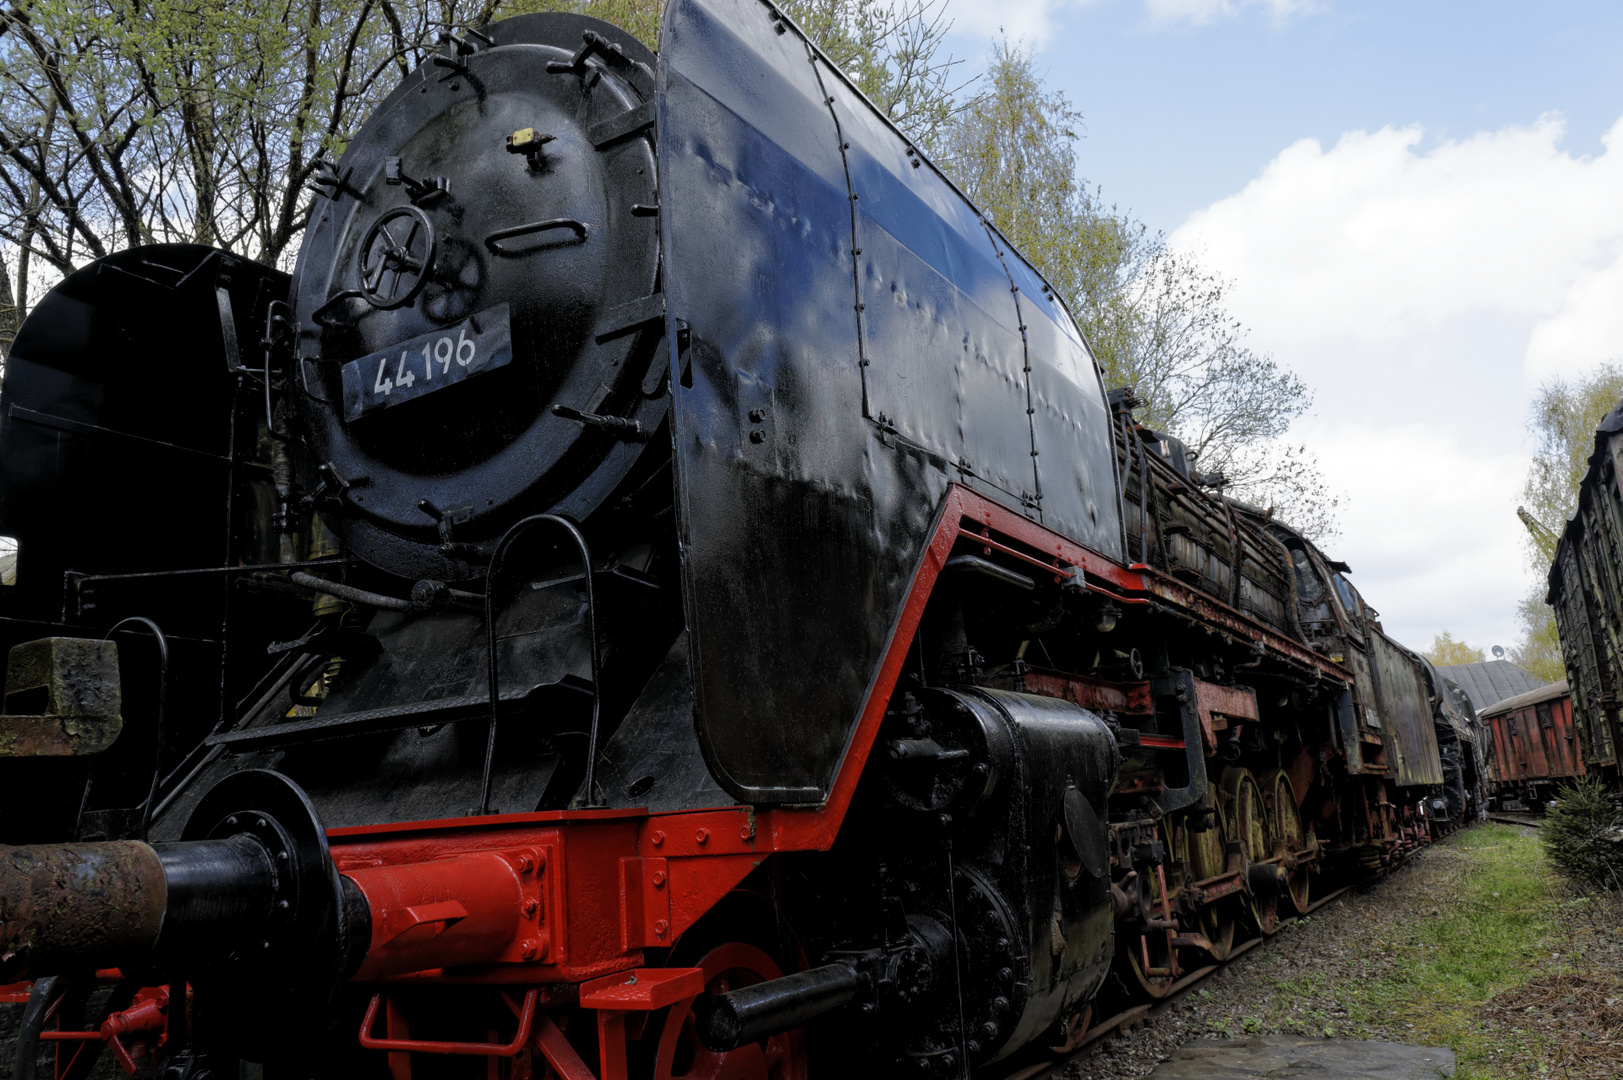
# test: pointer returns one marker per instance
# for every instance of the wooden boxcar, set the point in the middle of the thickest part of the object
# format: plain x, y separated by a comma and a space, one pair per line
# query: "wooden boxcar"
1535, 746
1588, 601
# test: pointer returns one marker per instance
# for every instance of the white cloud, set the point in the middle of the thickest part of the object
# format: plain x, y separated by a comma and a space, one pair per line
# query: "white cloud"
1430, 526
1377, 239
1587, 327
1423, 292
1200, 12
1029, 22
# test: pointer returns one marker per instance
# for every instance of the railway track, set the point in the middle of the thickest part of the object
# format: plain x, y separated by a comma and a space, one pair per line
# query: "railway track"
1039, 1070
1193, 981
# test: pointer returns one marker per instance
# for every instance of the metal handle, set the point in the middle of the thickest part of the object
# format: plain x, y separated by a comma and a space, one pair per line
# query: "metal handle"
319, 315
493, 241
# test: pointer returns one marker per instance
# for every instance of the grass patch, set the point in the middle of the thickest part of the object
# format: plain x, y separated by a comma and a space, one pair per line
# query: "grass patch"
1490, 928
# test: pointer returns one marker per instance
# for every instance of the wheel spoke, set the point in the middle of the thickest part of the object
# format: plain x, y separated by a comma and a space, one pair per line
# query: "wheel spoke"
1208, 859
1292, 840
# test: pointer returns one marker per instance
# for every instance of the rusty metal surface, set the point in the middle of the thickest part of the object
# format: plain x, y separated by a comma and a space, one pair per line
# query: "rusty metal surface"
1202, 539
1220, 705
62, 698
1241, 626
70, 905
1131, 698
53, 736
1535, 740
1405, 712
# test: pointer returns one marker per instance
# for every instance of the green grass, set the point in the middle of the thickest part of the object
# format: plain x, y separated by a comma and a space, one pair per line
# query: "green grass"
1494, 923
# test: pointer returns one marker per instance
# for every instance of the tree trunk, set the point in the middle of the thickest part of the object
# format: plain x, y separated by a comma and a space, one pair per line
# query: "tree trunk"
10, 315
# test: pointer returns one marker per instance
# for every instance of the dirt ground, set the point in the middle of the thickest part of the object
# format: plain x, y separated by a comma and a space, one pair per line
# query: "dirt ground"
1562, 1017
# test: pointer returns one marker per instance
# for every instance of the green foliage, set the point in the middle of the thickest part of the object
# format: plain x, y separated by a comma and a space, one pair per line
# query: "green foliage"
139, 121
1013, 156
1494, 928
639, 18
1583, 834
1539, 651
1445, 650
134, 121
1563, 420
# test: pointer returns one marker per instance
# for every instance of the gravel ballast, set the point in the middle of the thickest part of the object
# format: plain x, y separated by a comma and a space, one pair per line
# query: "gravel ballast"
1298, 982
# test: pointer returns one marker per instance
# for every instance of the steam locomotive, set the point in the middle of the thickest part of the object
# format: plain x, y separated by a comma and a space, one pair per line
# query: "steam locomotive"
660, 591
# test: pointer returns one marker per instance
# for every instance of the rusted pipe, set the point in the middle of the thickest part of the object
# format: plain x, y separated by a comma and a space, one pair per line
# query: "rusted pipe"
66, 906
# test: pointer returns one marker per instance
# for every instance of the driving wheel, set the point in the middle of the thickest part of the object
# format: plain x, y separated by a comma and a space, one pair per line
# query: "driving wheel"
681, 1056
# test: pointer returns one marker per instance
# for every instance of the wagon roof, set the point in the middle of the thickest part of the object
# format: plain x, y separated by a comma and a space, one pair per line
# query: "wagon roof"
1532, 697
1488, 682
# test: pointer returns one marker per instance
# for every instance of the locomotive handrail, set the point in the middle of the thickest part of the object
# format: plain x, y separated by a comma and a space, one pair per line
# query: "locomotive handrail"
163, 712
1058, 569
348, 592
162, 727
490, 647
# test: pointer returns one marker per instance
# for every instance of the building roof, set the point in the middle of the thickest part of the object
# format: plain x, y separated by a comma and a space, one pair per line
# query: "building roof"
1532, 697
1491, 681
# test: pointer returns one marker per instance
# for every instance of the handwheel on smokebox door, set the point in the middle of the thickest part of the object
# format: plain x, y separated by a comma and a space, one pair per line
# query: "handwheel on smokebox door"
1150, 955
1208, 858
679, 1054
1293, 840
1245, 815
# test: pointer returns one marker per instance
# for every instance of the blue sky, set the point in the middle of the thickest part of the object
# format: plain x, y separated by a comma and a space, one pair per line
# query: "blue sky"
1179, 114
1421, 208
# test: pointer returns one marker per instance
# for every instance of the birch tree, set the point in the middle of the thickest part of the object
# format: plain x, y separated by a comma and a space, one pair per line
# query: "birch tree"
1156, 319
1562, 421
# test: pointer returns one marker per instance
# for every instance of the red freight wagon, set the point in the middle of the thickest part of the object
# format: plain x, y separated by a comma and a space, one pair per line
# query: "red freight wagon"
1535, 746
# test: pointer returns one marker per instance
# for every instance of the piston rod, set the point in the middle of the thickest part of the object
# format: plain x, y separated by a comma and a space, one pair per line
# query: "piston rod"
727, 1021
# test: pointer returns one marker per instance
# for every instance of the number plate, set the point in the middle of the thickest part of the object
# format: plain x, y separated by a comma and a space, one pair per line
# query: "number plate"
409, 369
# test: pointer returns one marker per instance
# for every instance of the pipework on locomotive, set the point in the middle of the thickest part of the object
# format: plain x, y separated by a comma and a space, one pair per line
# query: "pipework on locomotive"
661, 590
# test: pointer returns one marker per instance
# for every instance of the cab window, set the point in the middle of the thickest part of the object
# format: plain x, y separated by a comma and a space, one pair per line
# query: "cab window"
1308, 585
1349, 596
